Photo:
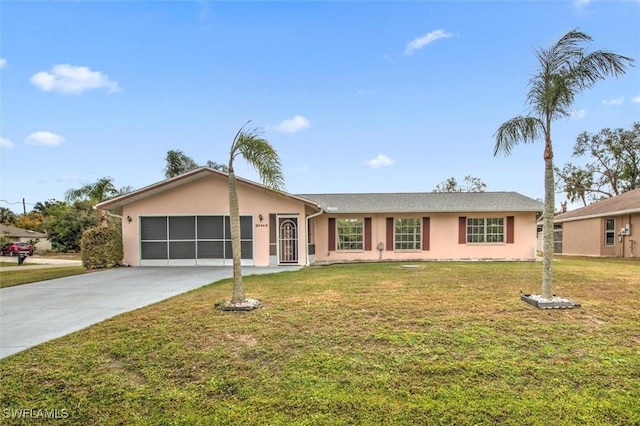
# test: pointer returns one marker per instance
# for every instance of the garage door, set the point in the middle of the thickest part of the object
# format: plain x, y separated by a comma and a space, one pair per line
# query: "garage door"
192, 240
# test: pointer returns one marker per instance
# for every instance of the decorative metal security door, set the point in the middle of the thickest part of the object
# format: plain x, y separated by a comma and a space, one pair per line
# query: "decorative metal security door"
288, 236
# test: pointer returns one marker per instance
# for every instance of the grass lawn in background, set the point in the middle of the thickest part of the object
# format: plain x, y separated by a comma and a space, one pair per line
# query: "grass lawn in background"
436, 343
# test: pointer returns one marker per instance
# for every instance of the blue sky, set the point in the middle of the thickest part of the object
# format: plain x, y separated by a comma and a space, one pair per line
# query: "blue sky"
362, 96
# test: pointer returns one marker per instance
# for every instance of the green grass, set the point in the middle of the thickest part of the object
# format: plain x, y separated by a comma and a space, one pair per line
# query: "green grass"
31, 275
5, 264
444, 343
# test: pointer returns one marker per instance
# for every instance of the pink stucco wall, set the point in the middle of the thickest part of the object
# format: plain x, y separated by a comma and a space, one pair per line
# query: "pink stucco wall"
443, 239
209, 196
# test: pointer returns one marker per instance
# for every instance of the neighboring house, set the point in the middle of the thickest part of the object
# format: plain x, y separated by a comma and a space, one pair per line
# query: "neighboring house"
610, 227
184, 221
24, 235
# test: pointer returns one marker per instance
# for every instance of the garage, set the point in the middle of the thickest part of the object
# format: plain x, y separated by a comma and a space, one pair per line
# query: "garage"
192, 240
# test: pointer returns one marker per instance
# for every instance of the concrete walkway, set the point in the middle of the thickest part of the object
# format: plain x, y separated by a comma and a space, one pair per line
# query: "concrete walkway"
34, 313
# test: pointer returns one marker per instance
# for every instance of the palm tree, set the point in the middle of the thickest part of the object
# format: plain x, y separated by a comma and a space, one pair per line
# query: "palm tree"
565, 70
95, 193
265, 160
7, 216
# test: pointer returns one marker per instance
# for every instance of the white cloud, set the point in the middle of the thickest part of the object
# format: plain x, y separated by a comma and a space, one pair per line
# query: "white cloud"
616, 101
3, 63
67, 78
44, 139
420, 42
579, 113
292, 125
6, 143
380, 161
636, 100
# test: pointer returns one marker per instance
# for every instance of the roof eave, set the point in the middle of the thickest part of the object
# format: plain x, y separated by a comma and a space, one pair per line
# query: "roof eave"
598, 215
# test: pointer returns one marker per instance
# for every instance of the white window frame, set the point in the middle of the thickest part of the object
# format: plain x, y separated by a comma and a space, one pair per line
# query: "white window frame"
411, 238
486, 230
610, 232
353, 240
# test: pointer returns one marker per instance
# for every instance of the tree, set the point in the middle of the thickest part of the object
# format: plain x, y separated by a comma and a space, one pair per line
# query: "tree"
125, 190
177, 163
217, 166
32, 221
265, 160
65, 223
96, 192
7, 216
564, 71
472, 184
614, 169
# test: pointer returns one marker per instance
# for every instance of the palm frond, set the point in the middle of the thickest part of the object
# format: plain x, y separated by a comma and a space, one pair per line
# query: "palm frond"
597, 66
260, 155
566, 70
520, 129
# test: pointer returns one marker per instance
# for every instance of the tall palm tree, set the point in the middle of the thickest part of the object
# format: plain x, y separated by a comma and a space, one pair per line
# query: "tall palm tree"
565, 70
265, 160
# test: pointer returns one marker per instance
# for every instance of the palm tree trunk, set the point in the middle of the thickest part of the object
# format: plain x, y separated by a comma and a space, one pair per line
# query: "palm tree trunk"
234, 210
547, 224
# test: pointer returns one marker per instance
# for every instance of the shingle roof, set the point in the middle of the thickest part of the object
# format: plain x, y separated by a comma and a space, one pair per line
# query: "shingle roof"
425, 202
628, 202
12, 231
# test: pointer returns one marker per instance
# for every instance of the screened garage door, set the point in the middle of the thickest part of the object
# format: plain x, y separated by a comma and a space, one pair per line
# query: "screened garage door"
192, 240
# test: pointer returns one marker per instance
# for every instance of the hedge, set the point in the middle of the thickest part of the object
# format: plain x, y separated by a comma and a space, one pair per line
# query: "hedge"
101, 248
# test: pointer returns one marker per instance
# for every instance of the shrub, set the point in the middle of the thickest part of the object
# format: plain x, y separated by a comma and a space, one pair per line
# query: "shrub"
101, 247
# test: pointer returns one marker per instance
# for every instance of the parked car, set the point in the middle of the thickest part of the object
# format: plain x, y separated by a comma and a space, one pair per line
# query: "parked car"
12, 249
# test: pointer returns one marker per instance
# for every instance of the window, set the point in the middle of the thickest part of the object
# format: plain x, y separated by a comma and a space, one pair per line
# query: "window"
350, 234
610, 232
408, 234
485, 230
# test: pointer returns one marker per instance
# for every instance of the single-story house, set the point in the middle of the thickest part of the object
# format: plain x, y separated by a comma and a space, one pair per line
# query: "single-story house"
185, 221
610, 227
24, 236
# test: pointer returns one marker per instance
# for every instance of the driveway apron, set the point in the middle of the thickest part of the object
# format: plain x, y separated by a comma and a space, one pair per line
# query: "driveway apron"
34, 313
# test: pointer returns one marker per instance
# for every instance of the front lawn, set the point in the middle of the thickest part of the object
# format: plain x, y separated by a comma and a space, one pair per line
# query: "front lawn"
32, 275
436, 343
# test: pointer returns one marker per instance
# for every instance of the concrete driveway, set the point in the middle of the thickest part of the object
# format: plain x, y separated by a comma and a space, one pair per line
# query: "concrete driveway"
34, 313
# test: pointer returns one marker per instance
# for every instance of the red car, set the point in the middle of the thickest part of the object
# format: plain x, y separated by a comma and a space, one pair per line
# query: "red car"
12, 249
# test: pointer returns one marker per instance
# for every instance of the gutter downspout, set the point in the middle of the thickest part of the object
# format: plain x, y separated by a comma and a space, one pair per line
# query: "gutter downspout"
109, 213
307, 263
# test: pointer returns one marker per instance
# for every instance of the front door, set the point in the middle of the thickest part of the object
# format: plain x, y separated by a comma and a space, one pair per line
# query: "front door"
288, 240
